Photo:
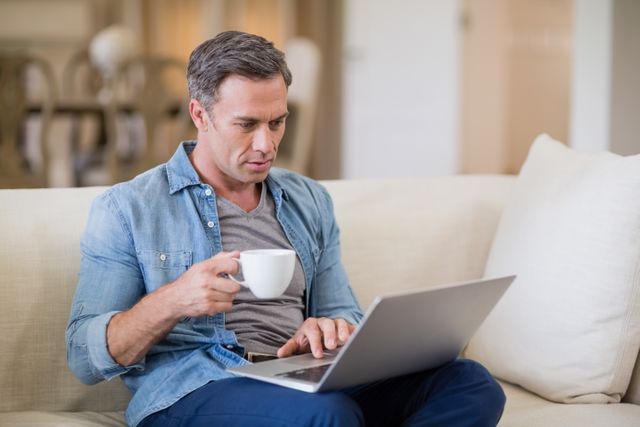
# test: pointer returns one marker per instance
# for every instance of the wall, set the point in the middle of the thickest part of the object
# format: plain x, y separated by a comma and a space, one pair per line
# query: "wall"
625, 78
400, 88
539, 84
516, 80
606, 76
590, 102
483, 131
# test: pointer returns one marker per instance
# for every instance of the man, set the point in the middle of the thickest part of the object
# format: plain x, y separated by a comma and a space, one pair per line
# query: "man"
154, 304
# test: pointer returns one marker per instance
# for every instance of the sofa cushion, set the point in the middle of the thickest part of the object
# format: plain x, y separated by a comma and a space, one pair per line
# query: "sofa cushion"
568, 329
62, 419
527, 409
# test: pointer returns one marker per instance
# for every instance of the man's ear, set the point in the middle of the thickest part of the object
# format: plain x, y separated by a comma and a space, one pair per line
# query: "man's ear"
199, 115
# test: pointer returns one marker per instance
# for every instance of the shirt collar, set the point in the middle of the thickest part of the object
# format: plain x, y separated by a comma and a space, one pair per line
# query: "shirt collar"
275, 185
180, 171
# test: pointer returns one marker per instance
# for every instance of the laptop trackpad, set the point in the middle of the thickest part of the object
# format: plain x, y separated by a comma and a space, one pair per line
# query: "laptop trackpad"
308, 359
313, 374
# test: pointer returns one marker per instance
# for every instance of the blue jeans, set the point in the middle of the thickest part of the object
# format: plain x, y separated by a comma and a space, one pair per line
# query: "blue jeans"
459, 393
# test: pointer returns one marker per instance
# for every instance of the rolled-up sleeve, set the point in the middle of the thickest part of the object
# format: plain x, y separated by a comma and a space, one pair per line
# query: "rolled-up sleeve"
110, 281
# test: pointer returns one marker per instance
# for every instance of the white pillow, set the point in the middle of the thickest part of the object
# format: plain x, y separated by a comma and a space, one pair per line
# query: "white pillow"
568, 329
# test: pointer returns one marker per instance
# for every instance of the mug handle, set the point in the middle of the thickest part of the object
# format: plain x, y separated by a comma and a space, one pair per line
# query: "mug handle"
240, 282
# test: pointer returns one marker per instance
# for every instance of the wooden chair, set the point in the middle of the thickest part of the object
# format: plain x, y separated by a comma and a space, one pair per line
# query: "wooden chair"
81, 79
140, 109
82, 82
17, 168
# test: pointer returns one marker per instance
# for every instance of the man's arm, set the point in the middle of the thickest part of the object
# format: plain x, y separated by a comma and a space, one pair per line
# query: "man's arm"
112, 323
200, 291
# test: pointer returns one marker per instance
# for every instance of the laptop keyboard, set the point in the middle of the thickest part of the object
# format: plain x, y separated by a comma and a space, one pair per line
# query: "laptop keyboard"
313, 374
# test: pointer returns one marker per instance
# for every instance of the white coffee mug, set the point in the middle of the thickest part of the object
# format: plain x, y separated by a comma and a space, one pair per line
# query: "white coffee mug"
267, 272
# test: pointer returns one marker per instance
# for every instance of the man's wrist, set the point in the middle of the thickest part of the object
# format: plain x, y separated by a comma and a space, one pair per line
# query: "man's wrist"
163, 304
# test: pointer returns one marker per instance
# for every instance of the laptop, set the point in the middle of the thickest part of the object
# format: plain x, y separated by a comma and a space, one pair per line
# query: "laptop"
401, 333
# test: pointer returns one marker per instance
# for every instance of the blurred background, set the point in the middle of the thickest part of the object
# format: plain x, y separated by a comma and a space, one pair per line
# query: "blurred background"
93, 91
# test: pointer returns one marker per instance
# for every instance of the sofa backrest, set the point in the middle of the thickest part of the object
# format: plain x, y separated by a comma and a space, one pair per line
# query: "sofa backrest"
399, 234
39, 262
396, 234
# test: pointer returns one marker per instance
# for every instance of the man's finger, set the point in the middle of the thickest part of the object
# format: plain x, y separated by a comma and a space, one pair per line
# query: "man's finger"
222, 284
344, 330
221, 295
223, 263
328, 328
313, 334
289, 348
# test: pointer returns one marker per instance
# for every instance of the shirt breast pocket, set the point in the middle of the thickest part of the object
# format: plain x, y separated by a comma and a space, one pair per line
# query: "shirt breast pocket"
162, 267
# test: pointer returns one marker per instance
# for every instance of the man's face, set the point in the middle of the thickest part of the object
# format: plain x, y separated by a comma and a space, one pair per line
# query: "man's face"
244, 129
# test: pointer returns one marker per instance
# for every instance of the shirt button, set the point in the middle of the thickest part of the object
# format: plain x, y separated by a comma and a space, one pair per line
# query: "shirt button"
163, 257
210, 224
208, 192
229, 347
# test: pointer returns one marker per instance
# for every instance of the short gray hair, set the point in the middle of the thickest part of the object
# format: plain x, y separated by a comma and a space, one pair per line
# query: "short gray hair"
232, 52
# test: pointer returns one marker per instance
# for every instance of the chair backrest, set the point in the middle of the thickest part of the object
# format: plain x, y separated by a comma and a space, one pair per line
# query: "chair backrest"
305, 62
16, 168
140, 89
80, 77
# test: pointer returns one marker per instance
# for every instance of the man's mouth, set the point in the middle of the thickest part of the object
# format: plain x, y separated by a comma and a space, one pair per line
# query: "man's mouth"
260, 162
260, 165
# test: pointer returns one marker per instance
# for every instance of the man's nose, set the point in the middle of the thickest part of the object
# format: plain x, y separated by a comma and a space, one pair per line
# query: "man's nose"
263, 140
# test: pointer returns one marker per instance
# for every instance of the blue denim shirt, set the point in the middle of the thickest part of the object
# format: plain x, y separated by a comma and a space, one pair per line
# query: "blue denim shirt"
145, 233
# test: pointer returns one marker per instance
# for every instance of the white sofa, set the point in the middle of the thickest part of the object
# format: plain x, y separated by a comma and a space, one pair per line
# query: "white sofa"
396, 234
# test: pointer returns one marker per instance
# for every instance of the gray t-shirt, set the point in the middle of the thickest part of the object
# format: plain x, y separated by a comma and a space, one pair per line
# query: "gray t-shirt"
261, 325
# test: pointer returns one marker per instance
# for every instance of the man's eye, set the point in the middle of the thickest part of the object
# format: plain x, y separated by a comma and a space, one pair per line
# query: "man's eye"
246, 125
276, 124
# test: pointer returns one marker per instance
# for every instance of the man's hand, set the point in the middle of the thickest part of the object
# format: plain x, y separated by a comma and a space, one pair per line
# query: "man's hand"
204, 289
316, 334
